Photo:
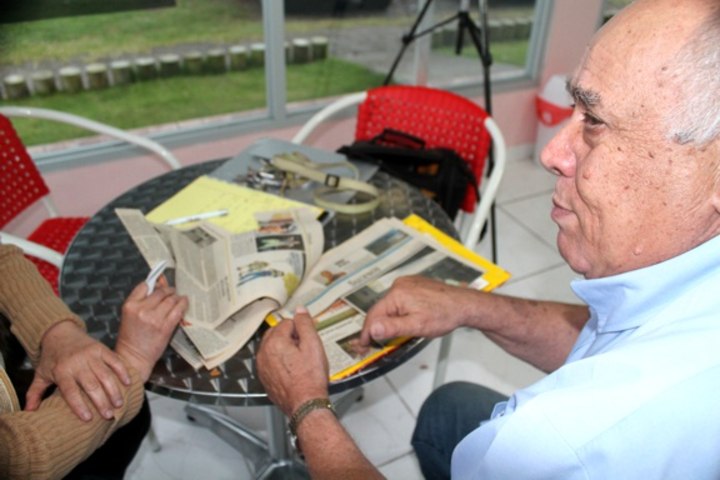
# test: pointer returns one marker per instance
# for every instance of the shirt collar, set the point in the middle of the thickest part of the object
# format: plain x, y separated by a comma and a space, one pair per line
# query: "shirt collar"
626, 300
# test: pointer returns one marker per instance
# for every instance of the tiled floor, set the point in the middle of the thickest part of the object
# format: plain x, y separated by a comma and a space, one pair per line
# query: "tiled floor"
383, 421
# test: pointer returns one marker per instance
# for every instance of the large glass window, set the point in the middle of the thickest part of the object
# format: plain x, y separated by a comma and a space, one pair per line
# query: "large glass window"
185, 64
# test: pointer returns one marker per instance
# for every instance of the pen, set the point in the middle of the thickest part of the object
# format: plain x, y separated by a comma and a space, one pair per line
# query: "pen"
196, 217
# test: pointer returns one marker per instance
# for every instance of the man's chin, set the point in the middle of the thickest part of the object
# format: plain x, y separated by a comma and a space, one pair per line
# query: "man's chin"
571, 254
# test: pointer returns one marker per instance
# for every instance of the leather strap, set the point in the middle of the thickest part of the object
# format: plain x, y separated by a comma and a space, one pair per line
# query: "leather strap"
300, 165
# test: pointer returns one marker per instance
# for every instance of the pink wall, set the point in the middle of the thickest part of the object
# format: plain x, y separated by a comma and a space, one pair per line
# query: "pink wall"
80, 191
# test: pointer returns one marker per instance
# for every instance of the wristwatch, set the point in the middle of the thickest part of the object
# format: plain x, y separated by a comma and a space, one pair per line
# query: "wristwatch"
301, 413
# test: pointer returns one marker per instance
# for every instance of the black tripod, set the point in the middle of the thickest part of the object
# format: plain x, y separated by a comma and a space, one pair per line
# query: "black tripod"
480, 38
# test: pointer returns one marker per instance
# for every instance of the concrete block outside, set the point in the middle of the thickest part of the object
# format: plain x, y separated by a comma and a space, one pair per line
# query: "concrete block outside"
524, 28
449, 35
193, 62
215, 61
288, 53
239, 57
97, 76
257, 54
301, 50
169, 65
15, 87
43, 82
319, 48
508, 29
145, 68
495, 31
121, 71
71, 79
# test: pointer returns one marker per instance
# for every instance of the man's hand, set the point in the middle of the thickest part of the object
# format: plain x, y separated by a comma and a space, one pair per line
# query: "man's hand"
74, 361
292, 364
148, 322
416, 307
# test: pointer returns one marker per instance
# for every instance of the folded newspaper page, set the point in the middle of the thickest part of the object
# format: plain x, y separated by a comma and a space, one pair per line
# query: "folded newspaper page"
232, 280
349, 279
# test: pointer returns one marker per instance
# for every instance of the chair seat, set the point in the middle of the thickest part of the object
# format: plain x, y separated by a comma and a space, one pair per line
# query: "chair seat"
55, 233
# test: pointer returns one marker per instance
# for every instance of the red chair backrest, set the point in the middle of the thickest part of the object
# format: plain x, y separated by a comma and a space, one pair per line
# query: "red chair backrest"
441, 118
21, 184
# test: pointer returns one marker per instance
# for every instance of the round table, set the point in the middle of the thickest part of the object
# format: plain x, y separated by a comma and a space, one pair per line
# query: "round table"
102, 265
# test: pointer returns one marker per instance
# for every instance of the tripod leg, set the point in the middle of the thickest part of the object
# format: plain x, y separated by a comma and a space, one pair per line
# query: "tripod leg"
406, 40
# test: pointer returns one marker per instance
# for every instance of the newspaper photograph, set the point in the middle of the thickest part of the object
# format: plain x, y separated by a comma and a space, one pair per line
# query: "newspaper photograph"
350, 279
232, 280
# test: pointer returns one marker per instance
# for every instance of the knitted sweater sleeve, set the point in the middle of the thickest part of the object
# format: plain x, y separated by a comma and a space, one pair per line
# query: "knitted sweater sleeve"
28, 302
49, 442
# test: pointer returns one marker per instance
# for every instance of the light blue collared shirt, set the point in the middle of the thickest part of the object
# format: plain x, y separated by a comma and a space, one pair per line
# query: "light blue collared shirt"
639, 395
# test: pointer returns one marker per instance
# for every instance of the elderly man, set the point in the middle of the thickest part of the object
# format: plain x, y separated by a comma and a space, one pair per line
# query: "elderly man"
632, 378
100, 392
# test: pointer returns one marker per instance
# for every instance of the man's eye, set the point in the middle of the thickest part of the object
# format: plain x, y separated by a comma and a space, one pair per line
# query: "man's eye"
591, 121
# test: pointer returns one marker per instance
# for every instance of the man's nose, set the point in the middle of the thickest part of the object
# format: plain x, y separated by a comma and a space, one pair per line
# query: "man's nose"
557, 157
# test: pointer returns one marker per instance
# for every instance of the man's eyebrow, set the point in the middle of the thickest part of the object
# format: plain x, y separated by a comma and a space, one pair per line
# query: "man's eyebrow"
586, 98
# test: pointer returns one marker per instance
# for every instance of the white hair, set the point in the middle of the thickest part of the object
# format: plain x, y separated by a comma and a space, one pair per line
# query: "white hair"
695, 118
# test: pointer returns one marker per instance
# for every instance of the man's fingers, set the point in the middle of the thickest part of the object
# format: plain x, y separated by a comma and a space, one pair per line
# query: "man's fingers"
303, 321
309, 339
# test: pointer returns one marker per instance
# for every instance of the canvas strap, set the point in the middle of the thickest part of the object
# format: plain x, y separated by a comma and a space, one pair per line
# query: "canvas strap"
299, 165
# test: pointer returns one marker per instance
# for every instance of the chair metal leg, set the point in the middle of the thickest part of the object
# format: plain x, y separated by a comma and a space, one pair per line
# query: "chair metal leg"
442, 362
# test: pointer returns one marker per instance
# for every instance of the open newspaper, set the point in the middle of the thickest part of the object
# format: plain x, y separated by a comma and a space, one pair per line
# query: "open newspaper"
232, 280
235, 280
352, 277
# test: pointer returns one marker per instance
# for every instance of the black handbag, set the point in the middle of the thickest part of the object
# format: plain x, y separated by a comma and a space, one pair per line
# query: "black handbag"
440, 173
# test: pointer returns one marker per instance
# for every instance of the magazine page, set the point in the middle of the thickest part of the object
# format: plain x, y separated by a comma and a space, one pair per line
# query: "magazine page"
351, 278
210, 347
354, 263
232, 280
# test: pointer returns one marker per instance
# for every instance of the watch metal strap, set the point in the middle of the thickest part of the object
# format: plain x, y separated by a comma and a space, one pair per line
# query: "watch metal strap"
307, 407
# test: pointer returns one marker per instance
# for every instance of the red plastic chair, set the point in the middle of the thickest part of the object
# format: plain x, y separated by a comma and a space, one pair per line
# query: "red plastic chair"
441, 119
22, 185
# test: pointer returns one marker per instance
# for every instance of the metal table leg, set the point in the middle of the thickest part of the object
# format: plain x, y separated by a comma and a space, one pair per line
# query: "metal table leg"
270, 460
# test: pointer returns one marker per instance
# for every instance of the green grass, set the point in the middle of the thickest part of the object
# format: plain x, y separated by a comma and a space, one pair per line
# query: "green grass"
191, 22
138, 32
506, 52
168, 100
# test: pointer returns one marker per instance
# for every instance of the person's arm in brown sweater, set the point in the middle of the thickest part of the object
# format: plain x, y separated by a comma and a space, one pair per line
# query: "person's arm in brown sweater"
49, 442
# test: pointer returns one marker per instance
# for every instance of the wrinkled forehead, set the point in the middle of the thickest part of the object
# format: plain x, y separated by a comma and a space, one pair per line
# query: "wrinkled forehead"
634, 52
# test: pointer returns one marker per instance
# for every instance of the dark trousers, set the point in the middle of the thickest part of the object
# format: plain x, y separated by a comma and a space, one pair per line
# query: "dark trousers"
447, 416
